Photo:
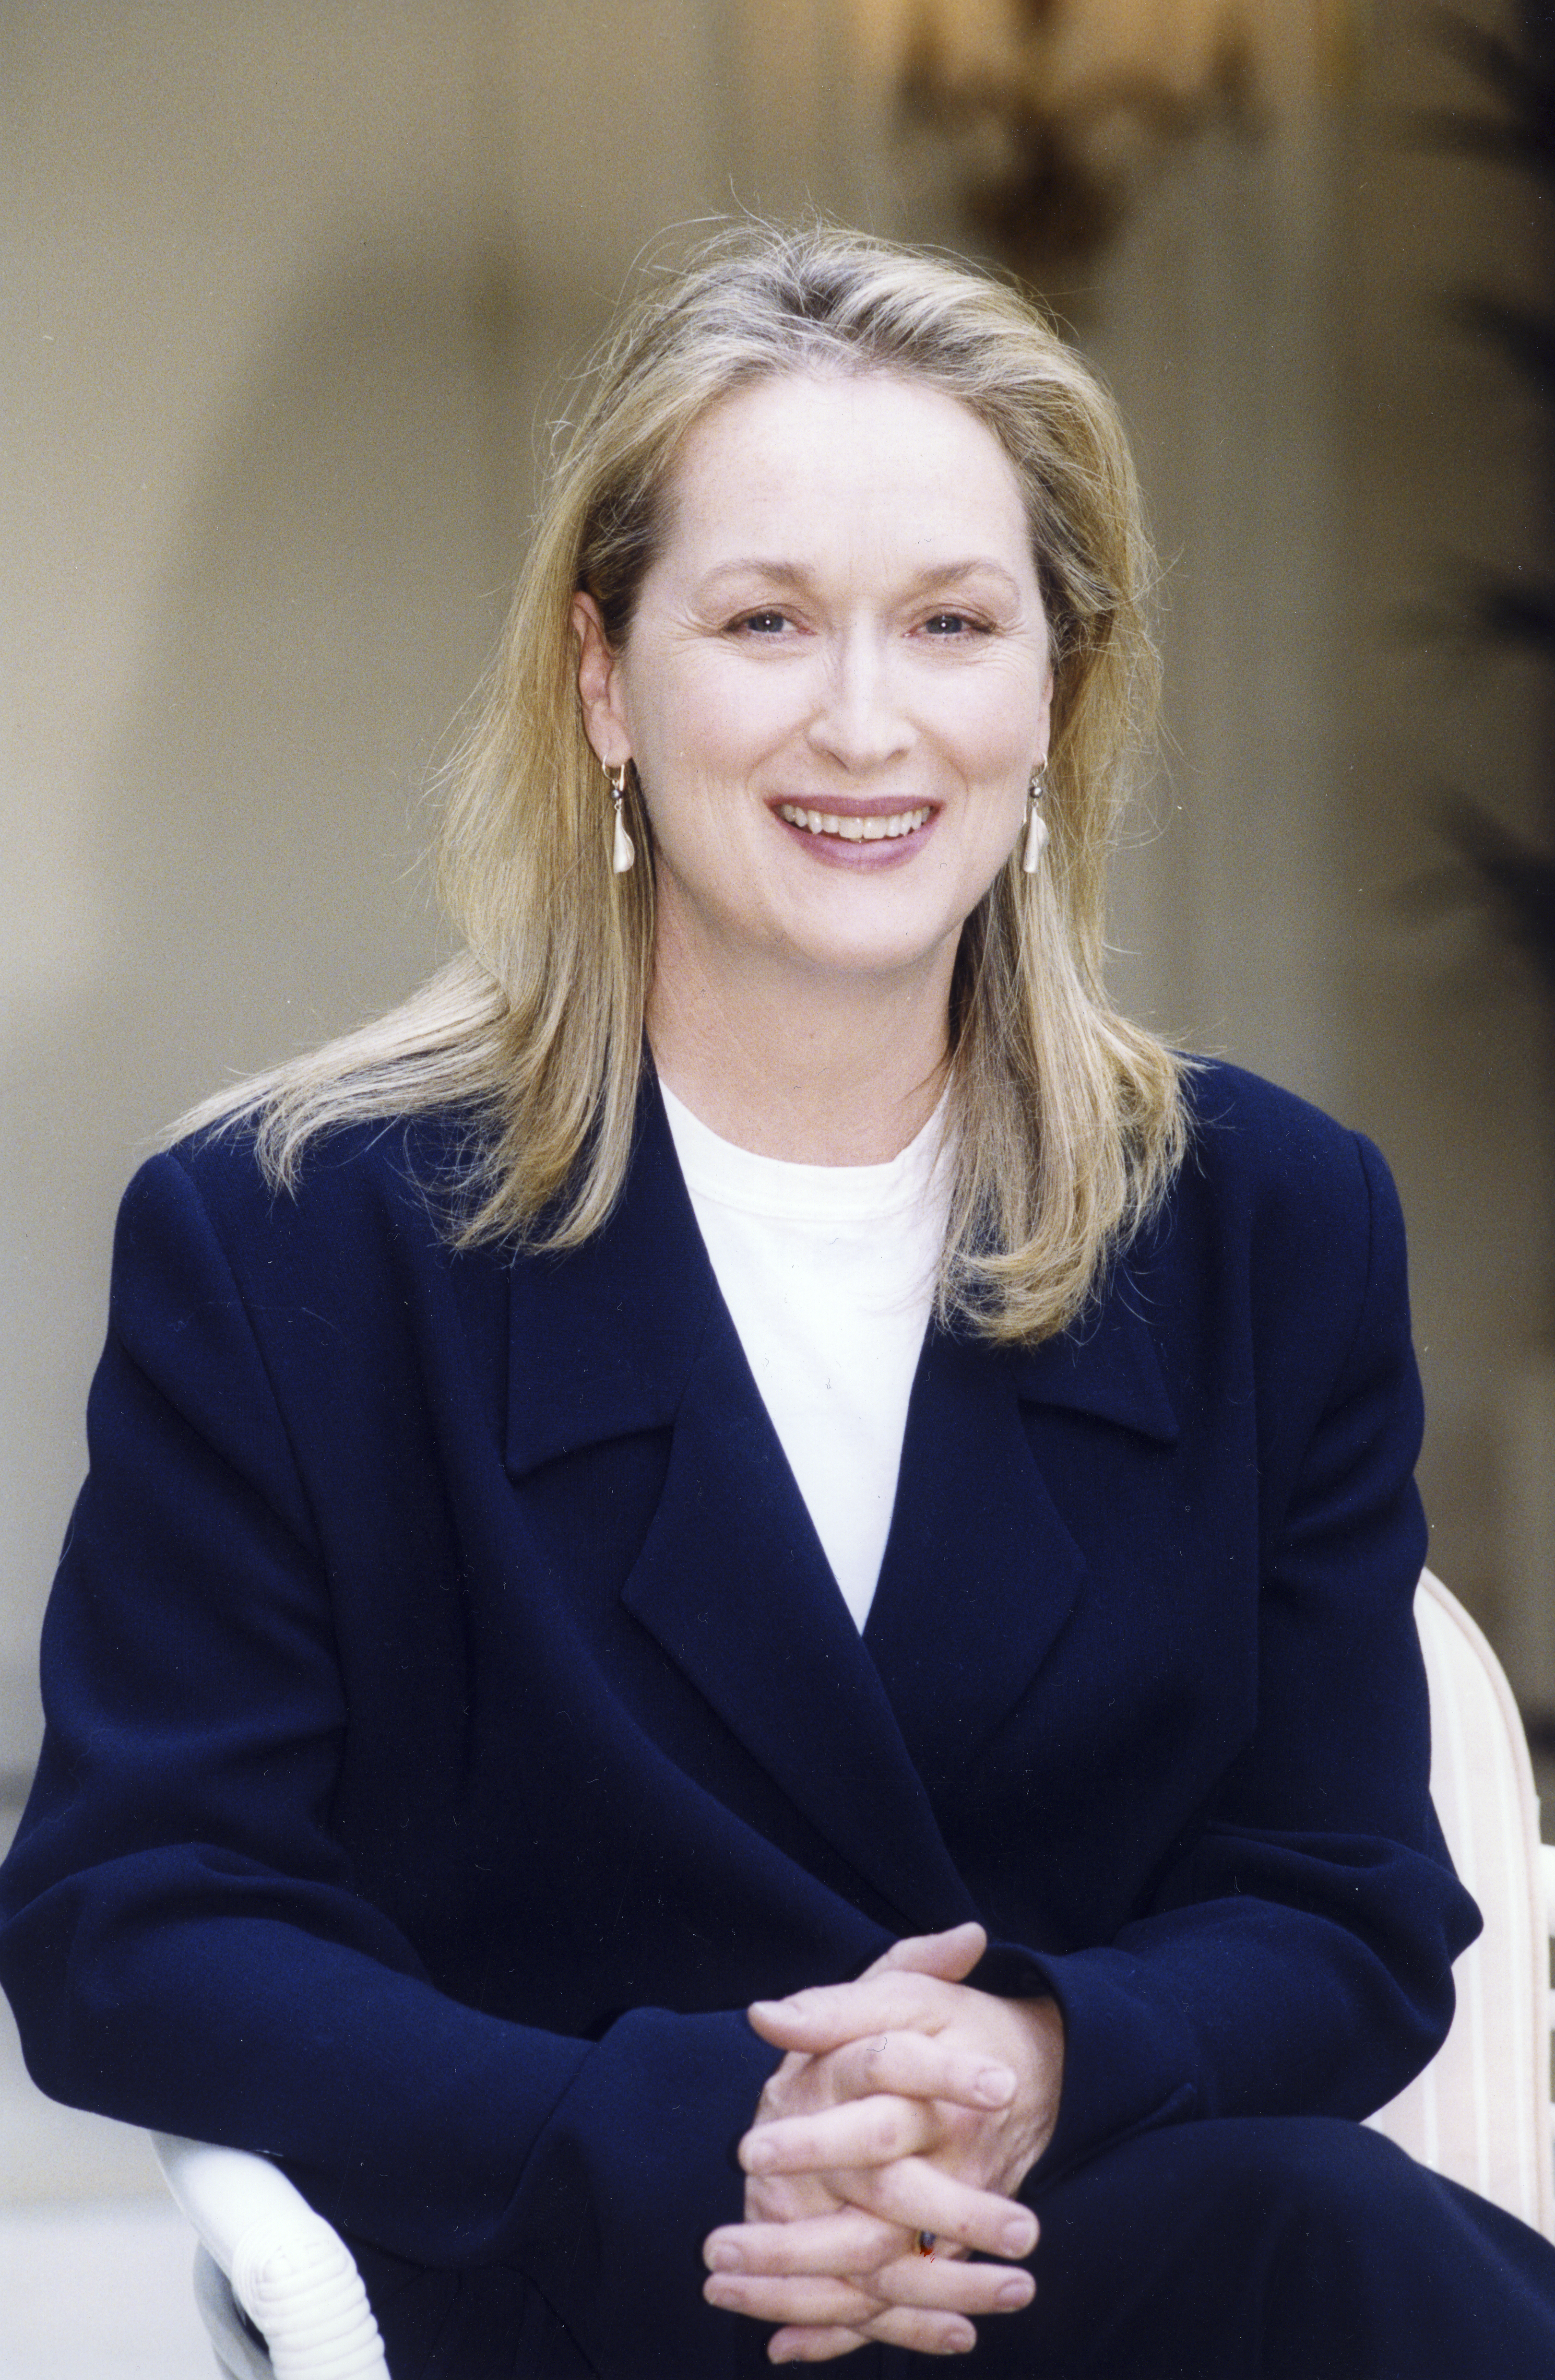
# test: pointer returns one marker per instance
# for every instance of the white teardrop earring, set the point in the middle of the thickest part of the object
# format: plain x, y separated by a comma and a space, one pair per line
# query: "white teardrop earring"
622, 853
1035, 825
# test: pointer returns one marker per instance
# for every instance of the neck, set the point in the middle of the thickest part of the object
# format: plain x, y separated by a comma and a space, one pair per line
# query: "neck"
799, 1065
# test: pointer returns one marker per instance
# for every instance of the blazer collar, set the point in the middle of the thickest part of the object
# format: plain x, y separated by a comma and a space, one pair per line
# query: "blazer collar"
1106, 1365
603, 1337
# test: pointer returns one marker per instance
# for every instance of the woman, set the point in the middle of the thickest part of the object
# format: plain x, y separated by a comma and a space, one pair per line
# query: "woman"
586, 1534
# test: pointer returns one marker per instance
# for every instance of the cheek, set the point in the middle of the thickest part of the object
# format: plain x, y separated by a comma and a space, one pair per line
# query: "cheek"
699, 732
996, 772
988, 723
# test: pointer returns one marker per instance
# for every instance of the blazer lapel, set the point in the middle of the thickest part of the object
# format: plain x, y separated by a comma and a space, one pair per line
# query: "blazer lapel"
980, 1573
603, 1339
629, 1333
733, 1583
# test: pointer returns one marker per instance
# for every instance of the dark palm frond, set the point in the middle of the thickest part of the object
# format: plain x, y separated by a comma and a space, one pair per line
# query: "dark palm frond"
1538, 30
1513, 68
1525, 336
1531, 147
1492, 610
1519, 74
1517, 878
1508, 118
1516, 611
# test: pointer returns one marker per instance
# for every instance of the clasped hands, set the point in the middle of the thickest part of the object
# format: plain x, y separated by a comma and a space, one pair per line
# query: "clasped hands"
909, 2108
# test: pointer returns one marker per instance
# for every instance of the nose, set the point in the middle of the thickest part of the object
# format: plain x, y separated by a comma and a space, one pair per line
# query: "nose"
859, 718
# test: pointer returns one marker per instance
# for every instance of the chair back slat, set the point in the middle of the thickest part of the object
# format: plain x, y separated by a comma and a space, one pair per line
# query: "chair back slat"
1479, 2112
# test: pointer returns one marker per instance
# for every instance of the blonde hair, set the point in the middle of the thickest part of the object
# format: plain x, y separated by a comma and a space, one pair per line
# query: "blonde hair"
1069, 1120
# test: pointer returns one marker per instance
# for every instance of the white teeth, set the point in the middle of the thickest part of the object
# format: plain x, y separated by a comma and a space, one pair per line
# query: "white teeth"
849, 827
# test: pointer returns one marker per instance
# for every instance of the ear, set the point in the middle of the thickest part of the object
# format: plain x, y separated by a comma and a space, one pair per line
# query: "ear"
598, 685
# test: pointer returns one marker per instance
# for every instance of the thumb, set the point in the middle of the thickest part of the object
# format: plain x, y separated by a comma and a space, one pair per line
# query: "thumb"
951, 1955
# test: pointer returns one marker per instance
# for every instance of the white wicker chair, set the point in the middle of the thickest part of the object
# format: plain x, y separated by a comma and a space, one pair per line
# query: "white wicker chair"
1479, 2112
263, 2249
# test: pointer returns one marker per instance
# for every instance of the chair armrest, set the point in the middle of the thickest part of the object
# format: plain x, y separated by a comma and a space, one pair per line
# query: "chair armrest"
1547, 1870
293, 2276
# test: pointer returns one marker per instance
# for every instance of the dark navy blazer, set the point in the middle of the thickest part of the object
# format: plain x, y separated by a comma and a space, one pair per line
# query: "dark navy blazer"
453, 1721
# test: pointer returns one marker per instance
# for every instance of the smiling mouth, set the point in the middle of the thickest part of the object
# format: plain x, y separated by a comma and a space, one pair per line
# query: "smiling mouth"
851, 829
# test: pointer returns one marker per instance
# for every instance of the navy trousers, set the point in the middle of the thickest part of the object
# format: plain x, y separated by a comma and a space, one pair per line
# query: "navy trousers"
1273, 2248
1254, 2248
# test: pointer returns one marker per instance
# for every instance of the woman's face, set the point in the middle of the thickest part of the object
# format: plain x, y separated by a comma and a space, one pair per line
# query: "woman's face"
835, 686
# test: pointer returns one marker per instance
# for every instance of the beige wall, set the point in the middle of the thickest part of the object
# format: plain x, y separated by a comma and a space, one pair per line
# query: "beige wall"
286, 286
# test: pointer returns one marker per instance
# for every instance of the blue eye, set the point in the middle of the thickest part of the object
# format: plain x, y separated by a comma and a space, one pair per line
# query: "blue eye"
763, 624
949, 624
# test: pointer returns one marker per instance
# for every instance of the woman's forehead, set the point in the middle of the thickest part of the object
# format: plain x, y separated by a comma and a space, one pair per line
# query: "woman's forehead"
814, 453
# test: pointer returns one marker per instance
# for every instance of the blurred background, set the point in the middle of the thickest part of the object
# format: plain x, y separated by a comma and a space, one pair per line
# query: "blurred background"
293, 289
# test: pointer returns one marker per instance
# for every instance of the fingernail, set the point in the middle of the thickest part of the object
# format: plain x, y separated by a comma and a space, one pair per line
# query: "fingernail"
1019, 2238
959, 2342
723, 2259
1016, 2292
995, 2085
719, 2293
759, 2156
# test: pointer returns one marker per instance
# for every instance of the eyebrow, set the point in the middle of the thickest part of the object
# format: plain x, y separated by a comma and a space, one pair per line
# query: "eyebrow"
792, 574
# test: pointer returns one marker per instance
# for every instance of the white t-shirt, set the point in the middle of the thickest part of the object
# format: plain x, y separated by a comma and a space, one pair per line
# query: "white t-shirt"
828, 1272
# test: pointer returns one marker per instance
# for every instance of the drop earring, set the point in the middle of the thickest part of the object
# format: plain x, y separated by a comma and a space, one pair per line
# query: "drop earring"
1035, 825
622, 853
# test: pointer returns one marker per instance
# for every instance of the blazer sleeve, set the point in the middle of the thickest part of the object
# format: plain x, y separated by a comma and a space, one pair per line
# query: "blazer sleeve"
1295, 1954
180, 1933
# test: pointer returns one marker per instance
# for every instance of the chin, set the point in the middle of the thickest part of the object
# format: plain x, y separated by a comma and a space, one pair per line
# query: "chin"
854, 961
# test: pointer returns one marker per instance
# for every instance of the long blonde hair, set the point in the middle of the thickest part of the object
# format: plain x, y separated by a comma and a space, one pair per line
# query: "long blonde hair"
1069, 1120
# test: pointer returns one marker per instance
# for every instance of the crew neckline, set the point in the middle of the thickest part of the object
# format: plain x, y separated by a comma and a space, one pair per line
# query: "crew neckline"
721, 1169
